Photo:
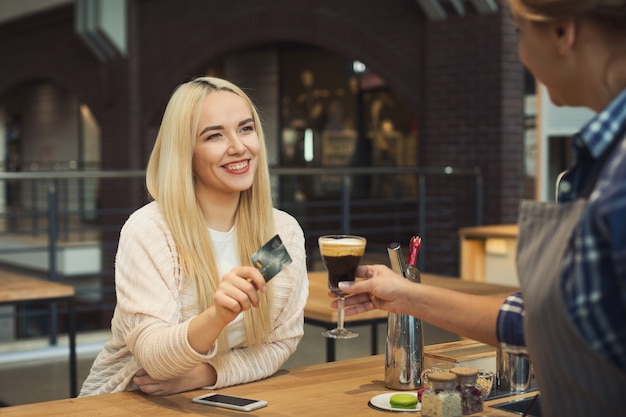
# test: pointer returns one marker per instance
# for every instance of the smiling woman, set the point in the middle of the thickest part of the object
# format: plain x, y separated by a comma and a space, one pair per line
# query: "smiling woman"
225, 154
191, 310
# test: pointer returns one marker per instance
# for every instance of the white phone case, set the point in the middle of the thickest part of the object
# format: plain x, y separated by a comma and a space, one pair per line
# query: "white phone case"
229, 401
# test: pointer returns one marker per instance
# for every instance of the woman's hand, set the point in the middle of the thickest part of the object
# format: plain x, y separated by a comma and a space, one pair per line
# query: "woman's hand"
200, 376
238, 292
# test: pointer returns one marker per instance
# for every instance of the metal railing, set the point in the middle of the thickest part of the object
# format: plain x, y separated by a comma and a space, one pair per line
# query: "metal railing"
384, 213
53, 224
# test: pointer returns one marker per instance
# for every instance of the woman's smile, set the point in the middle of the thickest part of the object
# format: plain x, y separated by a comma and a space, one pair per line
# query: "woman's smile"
239, 167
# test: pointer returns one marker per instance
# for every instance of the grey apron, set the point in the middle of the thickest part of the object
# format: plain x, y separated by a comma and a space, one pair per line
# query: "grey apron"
573, 379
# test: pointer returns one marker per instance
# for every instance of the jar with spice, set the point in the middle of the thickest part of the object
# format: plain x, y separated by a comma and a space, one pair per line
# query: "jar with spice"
441, 399
471, 395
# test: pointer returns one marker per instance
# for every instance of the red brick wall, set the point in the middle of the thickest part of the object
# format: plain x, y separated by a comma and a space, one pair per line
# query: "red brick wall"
382, 34
472, 117
461, 75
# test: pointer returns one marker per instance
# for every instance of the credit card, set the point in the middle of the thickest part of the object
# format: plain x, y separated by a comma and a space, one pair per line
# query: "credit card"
271, 258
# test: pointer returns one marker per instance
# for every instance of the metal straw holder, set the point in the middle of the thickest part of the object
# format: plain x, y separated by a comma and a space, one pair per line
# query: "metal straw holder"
404, 350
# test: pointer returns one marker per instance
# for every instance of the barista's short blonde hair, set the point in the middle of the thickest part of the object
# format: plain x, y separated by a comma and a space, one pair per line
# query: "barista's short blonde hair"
608, 13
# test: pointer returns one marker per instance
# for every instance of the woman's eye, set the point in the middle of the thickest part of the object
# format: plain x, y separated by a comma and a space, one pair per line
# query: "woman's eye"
213, 136
248, 128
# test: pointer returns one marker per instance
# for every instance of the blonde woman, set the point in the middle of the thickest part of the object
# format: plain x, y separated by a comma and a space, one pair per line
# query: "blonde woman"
191, 312
570, 317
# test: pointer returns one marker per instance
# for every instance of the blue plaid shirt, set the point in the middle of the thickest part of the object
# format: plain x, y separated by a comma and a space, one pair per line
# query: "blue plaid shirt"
594, 268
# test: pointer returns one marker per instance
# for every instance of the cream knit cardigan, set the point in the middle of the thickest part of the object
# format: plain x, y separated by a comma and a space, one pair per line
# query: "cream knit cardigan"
156, 301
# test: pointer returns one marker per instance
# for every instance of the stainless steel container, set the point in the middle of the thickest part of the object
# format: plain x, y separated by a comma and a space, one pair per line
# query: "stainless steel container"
513, 371
404, 351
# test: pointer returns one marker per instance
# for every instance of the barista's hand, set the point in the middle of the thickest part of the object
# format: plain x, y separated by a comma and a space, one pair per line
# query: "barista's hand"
381, 288
238, 292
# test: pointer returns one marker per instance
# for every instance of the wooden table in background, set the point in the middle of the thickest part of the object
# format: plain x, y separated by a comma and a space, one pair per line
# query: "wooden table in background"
19, 289
341, 388
473, 251
319, 312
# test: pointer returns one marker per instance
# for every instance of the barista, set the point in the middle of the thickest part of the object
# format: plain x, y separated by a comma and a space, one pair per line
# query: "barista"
570, 317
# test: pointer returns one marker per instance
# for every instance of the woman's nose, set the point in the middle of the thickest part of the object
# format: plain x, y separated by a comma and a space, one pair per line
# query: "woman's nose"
236, 144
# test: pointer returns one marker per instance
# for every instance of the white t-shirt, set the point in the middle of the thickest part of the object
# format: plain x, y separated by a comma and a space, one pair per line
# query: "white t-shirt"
225, 251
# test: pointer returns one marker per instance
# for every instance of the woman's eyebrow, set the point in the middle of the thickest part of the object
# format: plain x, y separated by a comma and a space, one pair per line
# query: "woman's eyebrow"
208, 128
218, 127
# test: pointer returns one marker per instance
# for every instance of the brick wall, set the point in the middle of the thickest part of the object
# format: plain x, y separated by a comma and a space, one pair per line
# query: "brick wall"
461, 75
472, 117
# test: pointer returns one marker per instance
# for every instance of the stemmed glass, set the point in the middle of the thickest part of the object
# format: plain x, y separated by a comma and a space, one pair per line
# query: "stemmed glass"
341, 255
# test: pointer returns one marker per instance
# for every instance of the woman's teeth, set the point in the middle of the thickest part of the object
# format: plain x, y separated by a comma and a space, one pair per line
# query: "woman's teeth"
237, 166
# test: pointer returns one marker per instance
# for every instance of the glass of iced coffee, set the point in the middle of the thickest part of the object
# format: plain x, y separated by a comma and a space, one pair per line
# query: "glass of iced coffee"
341, 255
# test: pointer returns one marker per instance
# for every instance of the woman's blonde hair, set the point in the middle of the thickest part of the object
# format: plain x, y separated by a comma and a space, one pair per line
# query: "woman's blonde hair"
609, 13
170, 181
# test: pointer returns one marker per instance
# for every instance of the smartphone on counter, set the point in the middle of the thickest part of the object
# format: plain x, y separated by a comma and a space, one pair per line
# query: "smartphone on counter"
229, 401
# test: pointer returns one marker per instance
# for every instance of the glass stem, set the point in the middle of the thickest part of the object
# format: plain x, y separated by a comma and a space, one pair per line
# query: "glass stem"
340, 315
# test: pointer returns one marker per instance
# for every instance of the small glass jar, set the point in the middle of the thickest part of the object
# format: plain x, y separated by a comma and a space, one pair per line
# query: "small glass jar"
471, 395
441, 399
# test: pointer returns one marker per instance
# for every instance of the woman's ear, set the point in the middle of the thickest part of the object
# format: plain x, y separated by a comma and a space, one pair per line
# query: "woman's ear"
565, 35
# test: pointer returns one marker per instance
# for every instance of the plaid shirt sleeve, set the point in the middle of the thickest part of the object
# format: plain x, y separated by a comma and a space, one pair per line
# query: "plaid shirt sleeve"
510, 324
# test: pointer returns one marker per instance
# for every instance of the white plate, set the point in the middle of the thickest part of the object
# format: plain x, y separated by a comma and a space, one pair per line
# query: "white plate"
381, 402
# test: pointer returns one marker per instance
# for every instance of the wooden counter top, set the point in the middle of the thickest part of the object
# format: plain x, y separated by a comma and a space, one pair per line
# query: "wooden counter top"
340, 388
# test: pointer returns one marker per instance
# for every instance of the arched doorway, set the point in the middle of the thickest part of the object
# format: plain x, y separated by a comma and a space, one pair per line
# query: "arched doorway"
324, 110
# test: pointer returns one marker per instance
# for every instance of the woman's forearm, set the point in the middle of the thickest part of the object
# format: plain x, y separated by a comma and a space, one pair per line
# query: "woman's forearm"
204, 329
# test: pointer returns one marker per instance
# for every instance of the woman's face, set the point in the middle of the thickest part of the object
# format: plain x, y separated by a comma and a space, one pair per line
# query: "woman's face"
538, 49
226, 148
